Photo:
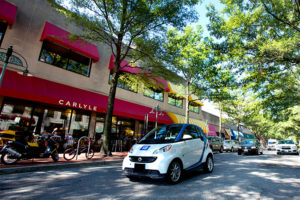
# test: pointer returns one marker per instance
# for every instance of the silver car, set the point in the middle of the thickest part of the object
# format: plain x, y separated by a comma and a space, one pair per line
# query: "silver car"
231, 145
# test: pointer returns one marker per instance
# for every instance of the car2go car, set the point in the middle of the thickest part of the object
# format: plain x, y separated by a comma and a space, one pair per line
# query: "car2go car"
167, 152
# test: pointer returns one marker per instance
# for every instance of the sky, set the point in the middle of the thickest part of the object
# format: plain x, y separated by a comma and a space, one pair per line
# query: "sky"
203, 21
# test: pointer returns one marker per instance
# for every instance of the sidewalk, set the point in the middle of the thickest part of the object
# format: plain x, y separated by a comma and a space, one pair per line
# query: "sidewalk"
39, 164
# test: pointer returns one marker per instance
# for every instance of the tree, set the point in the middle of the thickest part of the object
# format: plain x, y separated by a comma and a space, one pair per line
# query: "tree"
131, 28
262, 38
187, 54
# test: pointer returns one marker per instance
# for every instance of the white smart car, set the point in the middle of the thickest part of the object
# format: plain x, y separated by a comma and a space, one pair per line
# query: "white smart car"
167, 152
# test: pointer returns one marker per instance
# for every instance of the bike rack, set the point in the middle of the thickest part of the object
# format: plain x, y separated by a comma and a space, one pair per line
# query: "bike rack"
89, 140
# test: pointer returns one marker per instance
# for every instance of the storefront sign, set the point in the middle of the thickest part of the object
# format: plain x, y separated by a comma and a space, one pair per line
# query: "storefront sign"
77, 105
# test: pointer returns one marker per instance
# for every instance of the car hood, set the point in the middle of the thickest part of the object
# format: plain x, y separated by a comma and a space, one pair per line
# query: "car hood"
145, 149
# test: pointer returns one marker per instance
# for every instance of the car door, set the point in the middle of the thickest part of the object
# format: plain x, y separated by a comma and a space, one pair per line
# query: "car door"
193, 146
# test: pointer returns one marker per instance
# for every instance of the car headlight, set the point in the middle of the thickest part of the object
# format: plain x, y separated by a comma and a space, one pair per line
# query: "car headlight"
163, 149
253, 147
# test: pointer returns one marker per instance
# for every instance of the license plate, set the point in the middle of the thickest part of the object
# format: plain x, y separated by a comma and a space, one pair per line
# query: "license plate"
139, 167
246, 150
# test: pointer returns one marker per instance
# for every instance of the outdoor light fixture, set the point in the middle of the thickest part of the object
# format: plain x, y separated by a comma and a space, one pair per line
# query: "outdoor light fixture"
8, 57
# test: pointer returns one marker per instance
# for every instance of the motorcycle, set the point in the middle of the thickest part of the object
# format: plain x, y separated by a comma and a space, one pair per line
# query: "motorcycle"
14, 151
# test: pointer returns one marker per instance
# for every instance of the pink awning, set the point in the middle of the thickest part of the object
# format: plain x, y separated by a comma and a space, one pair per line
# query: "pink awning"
126, 67
212, 130
41, 90
60, 36
8, 12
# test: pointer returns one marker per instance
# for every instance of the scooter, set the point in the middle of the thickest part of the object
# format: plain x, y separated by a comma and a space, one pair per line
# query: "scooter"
14, 151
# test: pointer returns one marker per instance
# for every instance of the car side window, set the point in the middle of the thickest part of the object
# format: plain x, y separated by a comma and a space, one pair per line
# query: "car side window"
190, 130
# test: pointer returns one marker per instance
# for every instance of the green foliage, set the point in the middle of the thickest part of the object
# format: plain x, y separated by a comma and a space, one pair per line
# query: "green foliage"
132, 29
261, 38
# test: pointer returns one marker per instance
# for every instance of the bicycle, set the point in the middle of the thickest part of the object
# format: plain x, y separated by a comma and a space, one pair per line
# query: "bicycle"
70, 153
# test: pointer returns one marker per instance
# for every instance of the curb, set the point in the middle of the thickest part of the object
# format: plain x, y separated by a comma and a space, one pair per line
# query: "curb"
14, 170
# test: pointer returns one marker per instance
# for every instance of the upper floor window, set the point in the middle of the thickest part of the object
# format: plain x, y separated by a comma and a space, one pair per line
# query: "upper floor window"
194, 107
3, 27
157, 95
59, 56
175, 101
123, 84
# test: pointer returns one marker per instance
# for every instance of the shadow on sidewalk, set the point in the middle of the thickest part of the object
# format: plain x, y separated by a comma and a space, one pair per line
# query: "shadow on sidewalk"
81, 158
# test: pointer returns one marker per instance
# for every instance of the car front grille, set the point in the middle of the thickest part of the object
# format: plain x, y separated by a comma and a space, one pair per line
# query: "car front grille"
286, 147
142, 159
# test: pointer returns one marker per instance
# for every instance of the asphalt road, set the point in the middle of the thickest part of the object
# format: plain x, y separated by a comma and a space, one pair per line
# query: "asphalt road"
267, 176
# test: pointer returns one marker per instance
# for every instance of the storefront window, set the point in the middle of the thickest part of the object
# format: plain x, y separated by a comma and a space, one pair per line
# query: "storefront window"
43, 119
15, 117
3, 27
64, 58
79, 123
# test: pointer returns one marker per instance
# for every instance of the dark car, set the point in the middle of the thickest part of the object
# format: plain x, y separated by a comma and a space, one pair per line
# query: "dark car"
216, 143
250, 147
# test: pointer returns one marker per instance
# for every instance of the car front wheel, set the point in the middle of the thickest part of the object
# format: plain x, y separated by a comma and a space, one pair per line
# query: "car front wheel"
209, 165
174, 172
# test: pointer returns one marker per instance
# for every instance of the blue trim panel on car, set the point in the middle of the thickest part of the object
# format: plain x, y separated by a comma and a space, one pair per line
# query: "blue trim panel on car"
201, 158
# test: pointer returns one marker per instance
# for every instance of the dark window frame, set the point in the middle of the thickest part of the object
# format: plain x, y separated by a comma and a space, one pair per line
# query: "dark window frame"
154, 94
3, 28
62, 54
176, 99
191, 105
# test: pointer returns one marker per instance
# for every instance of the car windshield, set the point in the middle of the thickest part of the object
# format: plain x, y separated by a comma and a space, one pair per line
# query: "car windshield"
272, 142
248, 142
286, 142
166, 134
227, 142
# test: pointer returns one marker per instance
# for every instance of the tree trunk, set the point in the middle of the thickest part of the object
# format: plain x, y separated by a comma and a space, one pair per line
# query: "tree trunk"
109, 114
187, 114
238, 132
220, 120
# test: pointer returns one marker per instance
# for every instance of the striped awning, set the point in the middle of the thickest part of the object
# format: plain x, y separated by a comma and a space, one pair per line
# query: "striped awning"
181, 120
175, 89
228, 132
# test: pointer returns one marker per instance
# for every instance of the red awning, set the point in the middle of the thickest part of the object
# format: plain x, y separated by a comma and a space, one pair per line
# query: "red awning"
60, 36
126, 67
41, 90
8, 12
212, 130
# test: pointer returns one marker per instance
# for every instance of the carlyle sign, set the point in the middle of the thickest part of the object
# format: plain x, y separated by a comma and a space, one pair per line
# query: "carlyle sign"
77, 105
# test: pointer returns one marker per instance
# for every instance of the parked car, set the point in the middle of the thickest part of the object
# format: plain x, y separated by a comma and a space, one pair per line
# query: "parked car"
251, 146
272, 143
216, 143
167, 152
231, 145
287, 147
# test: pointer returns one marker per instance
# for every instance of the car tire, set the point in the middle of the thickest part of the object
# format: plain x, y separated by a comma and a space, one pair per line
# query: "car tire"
231, 149
221, 150
174, 174
278, 153
239, 153
209, 164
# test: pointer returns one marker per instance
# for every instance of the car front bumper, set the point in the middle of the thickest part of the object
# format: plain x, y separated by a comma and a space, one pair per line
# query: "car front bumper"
248, 151
153, 174
287, 151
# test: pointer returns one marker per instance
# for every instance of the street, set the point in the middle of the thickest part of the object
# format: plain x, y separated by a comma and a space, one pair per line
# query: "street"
267, 176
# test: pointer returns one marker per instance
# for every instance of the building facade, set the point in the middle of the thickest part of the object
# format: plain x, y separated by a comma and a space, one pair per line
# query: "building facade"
69, 83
